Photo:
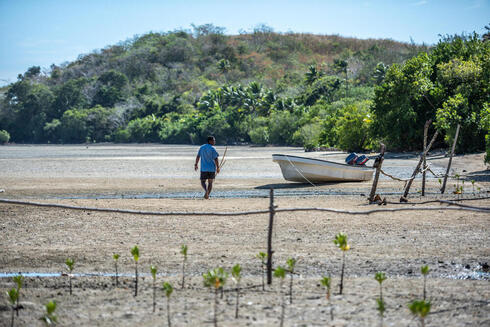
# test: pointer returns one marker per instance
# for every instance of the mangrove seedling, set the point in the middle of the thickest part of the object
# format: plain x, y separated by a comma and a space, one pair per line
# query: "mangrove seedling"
136, 256
326, 282
19, 280
183, 251
263, 257
473, 185
380, 278
425, 271
153, 271
381, 309
341, 242
49, 318
216, 279
236, 275
168, 289
420, 309
115, 256
69, 263
291, 262
280, 272
13, 296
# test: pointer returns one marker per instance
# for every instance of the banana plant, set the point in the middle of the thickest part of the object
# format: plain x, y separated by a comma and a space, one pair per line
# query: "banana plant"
216, 279
425, 271
263, 257
70, 263
135, 252
153, 271
381, 309
168, 289
326, 282
116, 256
13, 296
291, 263
420, 309
280, 272
236, 275
49, 318
341, 242
380, 277
183, 251
19, 280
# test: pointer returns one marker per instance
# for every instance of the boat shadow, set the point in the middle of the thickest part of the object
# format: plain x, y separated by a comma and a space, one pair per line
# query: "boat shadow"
292, 185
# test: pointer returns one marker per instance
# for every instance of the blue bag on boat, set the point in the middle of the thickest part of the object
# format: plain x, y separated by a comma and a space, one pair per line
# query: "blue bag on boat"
351, 158
361, 160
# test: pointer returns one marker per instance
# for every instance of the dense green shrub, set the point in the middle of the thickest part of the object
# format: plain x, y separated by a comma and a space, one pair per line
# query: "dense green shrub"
4, 136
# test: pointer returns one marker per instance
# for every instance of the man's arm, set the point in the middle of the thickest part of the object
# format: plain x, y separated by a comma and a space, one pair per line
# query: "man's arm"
217, 165
197, 161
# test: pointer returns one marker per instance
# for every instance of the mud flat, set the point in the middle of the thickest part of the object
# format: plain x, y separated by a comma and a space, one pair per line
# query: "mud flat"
38, 240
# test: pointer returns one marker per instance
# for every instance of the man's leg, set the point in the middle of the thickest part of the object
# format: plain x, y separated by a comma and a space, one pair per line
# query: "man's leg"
203, 184
210, 187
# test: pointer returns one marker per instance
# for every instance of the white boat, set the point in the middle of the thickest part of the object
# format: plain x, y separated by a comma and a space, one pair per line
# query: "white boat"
304, 170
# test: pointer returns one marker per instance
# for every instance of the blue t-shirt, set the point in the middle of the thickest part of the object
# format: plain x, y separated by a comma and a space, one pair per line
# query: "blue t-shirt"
208, 153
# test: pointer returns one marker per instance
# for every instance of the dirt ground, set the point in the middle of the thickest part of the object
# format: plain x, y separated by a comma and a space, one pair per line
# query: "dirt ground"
454, 244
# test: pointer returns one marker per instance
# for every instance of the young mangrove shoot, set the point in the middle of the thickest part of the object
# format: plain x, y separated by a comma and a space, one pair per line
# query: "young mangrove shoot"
425, 271
280, 272
69, 263
341, 242
291, 263
13, 296
380, 278
216, 279
236, 276
49, 318
153, 271
168, 289
19, 280
115, 256
420, 309
326, 282
381, 309
136, 256
263, 261
183, 251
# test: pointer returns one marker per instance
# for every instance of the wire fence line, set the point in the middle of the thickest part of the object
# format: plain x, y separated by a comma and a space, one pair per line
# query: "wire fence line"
450, 206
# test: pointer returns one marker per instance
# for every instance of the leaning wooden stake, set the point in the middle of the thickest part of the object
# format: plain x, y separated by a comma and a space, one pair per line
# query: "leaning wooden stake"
426, 129
417, 169
377, 165
443, 188
269, 237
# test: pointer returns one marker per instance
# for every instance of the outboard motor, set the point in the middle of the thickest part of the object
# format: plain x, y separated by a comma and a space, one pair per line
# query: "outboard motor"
361, 160
351, 158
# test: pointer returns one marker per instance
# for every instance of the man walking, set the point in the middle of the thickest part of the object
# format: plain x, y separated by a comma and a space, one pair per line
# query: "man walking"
209, 165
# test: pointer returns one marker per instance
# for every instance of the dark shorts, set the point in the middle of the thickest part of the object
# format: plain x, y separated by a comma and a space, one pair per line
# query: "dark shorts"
207, 175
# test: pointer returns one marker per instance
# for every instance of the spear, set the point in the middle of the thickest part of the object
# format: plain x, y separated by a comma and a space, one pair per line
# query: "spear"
221, 164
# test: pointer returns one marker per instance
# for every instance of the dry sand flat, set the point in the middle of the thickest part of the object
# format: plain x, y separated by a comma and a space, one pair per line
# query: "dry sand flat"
453, 243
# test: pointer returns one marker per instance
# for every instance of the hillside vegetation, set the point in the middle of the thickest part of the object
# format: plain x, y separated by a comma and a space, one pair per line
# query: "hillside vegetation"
259, 87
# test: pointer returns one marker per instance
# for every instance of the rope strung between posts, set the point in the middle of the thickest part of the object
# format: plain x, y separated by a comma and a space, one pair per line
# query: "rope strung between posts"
427, 168
243, 213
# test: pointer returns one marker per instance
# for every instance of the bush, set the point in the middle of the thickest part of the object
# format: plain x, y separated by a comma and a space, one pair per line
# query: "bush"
4, 137
487, 155
259, 135
352, 127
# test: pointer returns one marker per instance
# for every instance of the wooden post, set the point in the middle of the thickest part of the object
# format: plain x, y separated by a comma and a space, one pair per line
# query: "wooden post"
426, 129
443, 188
269, 237
417, 169
377, 165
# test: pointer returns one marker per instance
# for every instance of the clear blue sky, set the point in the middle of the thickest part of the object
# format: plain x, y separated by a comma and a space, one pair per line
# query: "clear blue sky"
43, 32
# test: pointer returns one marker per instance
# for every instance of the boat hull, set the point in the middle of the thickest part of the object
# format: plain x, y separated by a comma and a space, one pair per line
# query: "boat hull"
304, 170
